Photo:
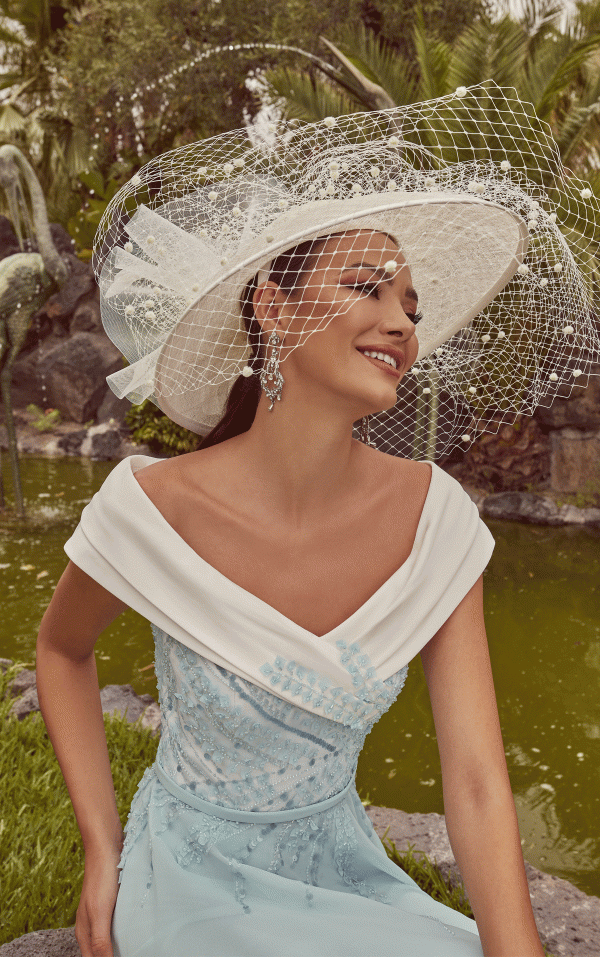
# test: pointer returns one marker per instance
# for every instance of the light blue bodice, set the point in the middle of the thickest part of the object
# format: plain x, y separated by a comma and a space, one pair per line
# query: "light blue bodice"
232, 743
229, 742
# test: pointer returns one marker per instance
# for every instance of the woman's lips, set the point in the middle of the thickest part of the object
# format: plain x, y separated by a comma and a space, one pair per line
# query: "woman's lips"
381, 365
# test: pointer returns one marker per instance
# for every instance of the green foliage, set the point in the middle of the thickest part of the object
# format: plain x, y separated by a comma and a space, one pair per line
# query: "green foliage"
128, 76
40, 843
83, 225
45, 421
150, 426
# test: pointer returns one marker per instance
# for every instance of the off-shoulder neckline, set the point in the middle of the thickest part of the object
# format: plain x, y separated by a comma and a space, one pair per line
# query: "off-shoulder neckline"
222, 581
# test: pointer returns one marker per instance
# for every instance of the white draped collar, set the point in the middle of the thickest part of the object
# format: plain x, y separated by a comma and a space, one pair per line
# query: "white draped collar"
125, 543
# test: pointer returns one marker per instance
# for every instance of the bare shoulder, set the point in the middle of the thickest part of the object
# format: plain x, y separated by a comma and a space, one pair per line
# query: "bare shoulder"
408, 474
175, 479
159, 474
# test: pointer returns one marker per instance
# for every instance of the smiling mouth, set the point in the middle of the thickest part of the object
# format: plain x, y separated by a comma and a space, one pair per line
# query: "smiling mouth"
381, 365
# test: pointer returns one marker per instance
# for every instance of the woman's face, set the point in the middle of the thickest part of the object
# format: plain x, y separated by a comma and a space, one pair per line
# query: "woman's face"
354, 304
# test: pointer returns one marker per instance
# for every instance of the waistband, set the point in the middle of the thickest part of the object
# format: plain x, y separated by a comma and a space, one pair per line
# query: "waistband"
250, 817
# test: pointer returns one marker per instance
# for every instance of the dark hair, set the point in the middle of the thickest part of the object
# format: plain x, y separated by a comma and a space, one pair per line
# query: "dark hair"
286, 271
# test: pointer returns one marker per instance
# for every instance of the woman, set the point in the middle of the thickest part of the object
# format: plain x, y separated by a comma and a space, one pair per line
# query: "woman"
290, 574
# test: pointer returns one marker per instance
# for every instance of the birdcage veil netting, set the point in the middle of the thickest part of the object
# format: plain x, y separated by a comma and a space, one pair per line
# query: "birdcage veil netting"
500, 240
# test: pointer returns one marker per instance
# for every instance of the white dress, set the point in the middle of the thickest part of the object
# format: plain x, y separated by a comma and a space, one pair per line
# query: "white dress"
247, 836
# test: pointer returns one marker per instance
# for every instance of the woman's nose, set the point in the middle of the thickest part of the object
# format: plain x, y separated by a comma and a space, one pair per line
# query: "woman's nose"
399, 320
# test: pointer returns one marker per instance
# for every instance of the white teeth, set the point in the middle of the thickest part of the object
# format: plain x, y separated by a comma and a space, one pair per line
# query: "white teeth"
382, 355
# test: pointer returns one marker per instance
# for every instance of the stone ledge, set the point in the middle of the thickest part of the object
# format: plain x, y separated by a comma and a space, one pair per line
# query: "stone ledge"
537, 510
568, 920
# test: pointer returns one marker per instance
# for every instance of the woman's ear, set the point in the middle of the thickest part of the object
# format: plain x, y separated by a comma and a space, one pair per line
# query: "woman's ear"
267, 300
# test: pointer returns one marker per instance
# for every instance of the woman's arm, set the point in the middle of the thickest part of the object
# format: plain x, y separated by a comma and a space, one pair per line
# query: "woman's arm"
481, 817
69, 696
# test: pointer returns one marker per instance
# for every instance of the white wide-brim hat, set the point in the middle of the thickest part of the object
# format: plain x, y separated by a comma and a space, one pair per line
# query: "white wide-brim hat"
480, 237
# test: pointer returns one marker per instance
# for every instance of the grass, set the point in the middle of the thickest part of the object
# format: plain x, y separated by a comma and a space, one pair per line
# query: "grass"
41, 854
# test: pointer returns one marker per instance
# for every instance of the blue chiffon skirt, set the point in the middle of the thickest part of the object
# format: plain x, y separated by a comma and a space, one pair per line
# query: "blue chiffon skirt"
310, 882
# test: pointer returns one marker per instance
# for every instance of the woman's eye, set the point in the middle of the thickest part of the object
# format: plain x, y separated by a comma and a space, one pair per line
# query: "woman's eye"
369, 287
415, 318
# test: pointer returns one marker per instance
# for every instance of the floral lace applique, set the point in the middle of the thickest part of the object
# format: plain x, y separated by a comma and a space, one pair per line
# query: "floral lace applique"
355, 709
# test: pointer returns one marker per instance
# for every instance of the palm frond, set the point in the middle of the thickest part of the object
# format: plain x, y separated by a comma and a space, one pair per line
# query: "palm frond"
541, 62
354, 78
433, 59
12, 122
380, 63
566, 72
537, 15
579, 131
300, 97
488, 51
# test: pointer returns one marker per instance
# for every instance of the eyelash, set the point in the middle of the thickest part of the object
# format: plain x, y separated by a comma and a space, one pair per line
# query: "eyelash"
373, 287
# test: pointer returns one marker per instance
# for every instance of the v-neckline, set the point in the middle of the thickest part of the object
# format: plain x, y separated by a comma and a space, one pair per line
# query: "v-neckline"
250, 597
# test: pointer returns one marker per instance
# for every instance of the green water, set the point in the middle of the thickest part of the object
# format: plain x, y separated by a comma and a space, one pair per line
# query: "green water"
542, 610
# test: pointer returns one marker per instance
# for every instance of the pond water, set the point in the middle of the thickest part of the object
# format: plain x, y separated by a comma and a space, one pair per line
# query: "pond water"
542, 611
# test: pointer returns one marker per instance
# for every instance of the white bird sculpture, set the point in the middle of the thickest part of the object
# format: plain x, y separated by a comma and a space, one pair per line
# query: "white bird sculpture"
27, 280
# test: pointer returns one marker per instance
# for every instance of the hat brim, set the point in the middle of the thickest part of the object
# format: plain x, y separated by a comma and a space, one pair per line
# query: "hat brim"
461, 249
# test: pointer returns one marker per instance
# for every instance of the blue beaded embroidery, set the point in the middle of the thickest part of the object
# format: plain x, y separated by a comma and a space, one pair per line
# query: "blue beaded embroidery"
233, 743
315, 688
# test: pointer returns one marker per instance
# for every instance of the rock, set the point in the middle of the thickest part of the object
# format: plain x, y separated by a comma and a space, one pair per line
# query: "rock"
25, 704
568, 920
75, 372
132, 448
536, 509
44, 943
70, 444
510, 457
579, 408
22, 683
80, 283
86, 317
113, 698
575, 460
123, 699
112, 407
101, 442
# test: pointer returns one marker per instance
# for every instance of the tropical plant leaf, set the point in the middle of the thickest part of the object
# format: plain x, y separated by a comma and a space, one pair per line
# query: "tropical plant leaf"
579, 131
487, 50
301, 97
566, 72
12, 121
433, 58
380, 63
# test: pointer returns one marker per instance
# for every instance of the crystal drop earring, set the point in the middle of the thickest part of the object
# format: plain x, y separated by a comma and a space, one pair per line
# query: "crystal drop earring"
271, 372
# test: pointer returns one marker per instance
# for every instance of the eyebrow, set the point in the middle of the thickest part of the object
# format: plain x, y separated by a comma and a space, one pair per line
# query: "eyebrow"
409, 292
